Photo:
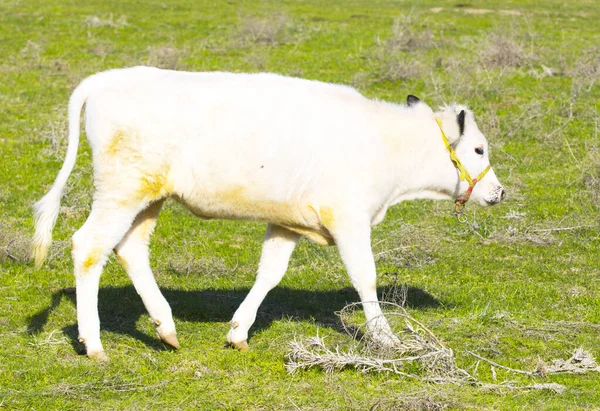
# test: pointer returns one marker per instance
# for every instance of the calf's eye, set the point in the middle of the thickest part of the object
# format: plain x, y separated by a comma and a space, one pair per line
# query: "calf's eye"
479, 150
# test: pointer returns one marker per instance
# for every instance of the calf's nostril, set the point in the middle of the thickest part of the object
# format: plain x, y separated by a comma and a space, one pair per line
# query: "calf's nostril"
502, 195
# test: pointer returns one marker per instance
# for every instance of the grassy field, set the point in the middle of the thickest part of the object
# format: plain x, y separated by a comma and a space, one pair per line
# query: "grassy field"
518, 284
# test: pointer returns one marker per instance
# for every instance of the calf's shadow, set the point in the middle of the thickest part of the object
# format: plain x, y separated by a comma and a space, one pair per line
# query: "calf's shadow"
121, 307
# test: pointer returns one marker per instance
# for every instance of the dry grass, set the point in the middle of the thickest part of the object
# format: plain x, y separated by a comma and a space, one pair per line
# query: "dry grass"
32, 51
165, 57
414, 402
408, 246
398, 70
580, 362
586, 71
520, 230
269, 30
14, 246
258, 60
584, 75
77, 196
591, 174
206, 266
516, 126
421, 355
111, 384
502, 50
95, 21
391, 55
553, 330
406, 38
44, 340
56, 134
76, 199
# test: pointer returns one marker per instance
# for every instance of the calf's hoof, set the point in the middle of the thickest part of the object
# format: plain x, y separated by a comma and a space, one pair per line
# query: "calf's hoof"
386, 339
240, 346
99, 356
171, 340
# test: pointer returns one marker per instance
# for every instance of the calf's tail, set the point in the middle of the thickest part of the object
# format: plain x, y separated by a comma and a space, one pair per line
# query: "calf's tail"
47, 209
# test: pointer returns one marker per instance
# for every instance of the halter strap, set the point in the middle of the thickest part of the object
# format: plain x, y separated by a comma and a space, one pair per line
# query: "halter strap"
464, 174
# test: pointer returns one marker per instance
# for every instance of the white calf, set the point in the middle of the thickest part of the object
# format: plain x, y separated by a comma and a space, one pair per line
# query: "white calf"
309, 158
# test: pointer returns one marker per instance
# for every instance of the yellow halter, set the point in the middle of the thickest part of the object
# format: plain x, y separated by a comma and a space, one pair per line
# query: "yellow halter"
464, 174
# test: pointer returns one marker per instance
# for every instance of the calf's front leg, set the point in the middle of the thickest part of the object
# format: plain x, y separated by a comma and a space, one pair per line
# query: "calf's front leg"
277, 248
354, 244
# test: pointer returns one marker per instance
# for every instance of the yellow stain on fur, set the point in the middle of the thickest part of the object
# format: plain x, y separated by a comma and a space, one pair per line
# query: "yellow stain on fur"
327, 218
318, 237
155, 185
116, 143
234, 195
284, 214
237, 202
91, 260
152, 185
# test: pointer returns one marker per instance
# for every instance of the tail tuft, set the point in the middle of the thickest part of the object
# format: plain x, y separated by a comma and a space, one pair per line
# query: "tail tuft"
46, 212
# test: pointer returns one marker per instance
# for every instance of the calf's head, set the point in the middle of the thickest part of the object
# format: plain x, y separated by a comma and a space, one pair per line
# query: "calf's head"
472, 150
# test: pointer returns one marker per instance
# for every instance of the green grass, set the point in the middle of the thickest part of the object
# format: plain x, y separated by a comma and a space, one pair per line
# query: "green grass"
518, 283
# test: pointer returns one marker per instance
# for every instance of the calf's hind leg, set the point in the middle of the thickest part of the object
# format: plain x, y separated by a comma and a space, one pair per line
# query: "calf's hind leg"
277, 248
133, 254
104, 228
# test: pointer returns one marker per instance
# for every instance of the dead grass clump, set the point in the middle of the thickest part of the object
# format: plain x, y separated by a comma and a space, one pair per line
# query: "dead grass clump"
514, 234
405, 247
579, 363
586, 71
111, 384
502, 51
360, 79
32, 50
528, 121
55, 133
420, 355
436, 366
406, 38
389, 55
45, 340
398, 70
263, 30
258, 60
519, 230
77, 197
405, 257
95, 21
14, 246
591, 176
553, 330
205, 266
165, 57
584, 74
424, 402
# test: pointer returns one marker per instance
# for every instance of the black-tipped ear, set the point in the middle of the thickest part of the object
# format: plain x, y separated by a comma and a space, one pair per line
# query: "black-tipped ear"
412, 100
461, 122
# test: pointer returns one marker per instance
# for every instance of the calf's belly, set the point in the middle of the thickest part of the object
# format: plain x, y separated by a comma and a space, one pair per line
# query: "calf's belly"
238, 204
